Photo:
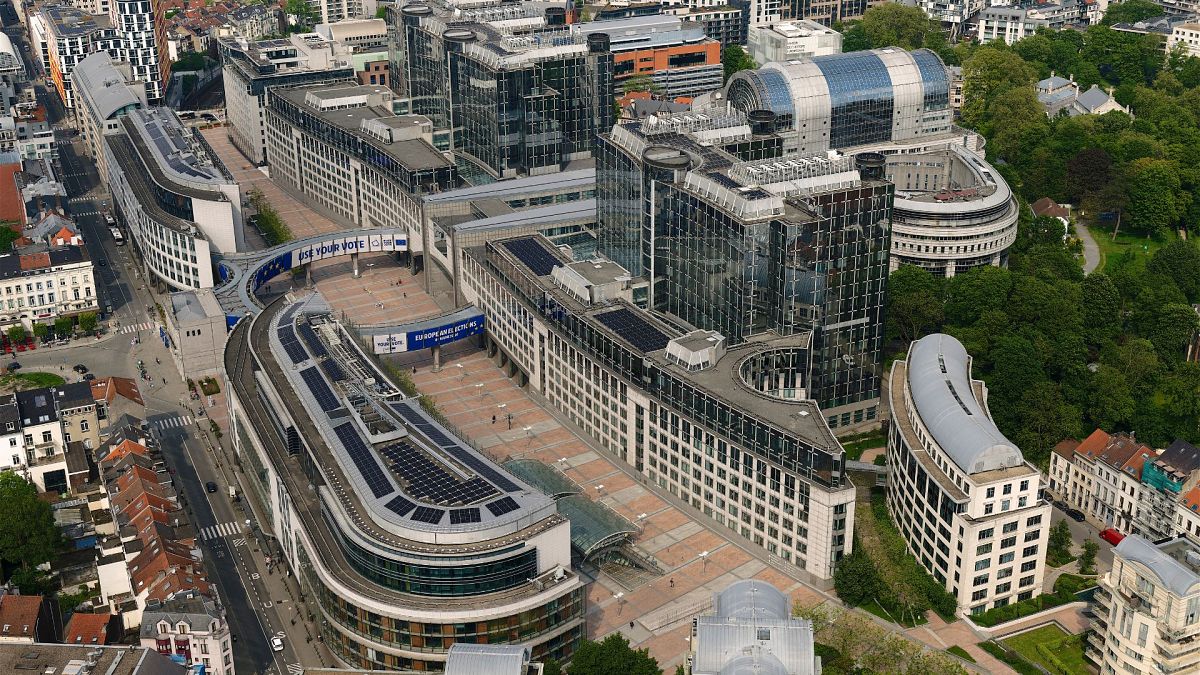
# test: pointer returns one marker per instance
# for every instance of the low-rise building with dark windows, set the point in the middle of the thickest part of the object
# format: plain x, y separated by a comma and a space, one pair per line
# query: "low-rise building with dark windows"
405, 539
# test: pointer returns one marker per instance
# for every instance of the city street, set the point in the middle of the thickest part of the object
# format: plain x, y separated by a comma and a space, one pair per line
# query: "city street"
232, 554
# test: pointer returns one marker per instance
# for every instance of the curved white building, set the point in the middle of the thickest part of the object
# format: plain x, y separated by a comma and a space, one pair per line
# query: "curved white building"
179, 201
962, 495
952, 211
405, 539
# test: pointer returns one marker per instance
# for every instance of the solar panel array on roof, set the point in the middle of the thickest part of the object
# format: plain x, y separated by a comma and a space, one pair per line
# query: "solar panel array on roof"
431, 483
310, 337
636, 330
295, 352
174, 150
502, 506
320, 389
365, 460
333, 370
463, 516
534, 255
424, 514
400, 505
455, 449
286, 317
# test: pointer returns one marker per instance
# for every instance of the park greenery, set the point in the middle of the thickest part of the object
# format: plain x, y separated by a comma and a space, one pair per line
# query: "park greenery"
1087, 560
849, 642
1065, 588
880, 573
734, 59
612, 656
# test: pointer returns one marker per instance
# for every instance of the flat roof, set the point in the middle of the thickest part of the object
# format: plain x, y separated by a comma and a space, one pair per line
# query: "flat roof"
110, 660
413, 154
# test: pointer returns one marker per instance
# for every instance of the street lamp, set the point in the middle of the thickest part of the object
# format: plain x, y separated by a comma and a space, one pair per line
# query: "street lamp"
704, 556
620, 598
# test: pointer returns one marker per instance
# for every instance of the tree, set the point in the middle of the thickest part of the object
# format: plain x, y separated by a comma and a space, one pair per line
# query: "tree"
1087, 559
551, 667
735, 59
1131, 11
1179, 260
63, 326
1087, 173
1059, 544
1153, 185
1024, 122
892, 24
987, 73
17, 334
87, 322
1101, 304
41, 331
302, 13
1173, 326
1111, 404
971, 294
914, 305
855, 579
28, 534
612, 656
640, 82
1135, 359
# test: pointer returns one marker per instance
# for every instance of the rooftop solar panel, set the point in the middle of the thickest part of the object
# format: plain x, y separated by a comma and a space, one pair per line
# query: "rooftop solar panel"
534, 255
424, 514
365, 460
401, 505
291, 345
320, 389
479, 466
502, 506
333, 370
310, 338
429, 482
636, 330
462, 516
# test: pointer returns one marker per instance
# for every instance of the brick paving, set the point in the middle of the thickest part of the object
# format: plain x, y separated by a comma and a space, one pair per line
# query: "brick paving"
300, 219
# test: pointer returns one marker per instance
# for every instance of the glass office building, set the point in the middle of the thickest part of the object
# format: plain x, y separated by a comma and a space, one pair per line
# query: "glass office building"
515, 92
848, 100
806, 256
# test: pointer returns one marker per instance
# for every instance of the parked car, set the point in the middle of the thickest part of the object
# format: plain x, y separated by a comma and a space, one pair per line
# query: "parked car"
1111, 535
14, 365
88, 377
276, 644
1074, 514
80, 368
210, 486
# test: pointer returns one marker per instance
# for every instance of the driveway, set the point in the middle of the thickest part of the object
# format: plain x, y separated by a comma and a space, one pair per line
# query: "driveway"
1091, 252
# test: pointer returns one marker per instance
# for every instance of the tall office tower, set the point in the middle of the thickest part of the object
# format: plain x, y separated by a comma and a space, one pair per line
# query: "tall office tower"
512, 92
140, 27
785, 247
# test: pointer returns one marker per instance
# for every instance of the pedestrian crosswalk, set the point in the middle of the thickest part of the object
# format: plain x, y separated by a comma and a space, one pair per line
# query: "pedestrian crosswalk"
138, 327
218, 530
295, 669
174, 422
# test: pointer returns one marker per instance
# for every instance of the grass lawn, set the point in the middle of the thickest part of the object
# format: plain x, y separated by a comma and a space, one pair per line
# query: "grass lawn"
1140, 244
1052, 648
855, 445
960, 652
1054, 560
34, 380
905, 621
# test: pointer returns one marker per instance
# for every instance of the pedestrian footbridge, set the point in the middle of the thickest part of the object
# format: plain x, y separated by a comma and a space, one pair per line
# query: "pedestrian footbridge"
243, 274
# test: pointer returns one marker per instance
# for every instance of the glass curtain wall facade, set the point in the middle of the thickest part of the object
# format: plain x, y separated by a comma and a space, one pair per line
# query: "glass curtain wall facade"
513, 106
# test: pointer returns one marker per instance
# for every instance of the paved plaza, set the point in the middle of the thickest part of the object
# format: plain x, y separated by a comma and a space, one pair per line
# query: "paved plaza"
300, 219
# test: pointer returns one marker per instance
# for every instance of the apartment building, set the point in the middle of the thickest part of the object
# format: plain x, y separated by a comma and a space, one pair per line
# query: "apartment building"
1165, 481
39, 283
38, 425
1101, 476
192, 629
61, 36
677, 56
1147, 609
1011, 23
963, 496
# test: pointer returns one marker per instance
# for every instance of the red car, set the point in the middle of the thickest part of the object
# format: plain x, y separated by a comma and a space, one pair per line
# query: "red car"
1111, 536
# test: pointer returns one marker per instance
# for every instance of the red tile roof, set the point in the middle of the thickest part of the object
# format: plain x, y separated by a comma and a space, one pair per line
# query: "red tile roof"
1093, 445
20, 614
166, 567
1066, 448
35, 261
11, 205
1191, 499
109, 388
87, 629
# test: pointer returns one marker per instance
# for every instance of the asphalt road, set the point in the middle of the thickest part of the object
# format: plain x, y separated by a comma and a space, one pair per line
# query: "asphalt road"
1081, 532
229, 553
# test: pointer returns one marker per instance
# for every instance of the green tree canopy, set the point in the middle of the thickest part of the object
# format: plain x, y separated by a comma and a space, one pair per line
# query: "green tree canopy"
28, 535
612, 656
989, 72
914, 304
734, 58
1131, 11
1179, 260
892, 24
